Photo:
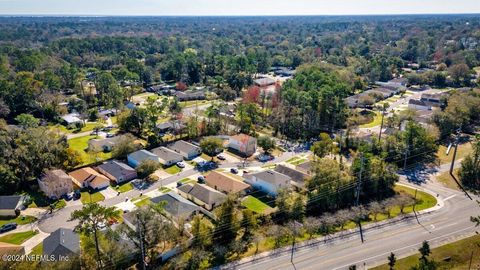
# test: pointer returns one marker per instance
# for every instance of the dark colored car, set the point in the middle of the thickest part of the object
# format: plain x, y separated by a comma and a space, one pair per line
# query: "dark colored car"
201, 179
8, 227
233, 170
179, 184
220, 157
76, 194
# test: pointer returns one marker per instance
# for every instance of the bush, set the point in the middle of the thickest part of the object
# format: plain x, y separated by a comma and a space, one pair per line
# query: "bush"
147, 167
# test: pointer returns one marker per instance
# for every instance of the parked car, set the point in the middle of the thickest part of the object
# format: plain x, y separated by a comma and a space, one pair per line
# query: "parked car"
201, 179
110, 135
220, 157
76, 194
179, 184
180, 164
234, 170
8, 227
68, 196
264, 157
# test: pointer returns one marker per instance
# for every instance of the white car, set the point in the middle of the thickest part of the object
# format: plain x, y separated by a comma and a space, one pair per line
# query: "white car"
181, 164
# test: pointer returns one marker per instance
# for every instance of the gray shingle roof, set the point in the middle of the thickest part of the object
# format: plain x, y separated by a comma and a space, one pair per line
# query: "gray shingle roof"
203, 193
116, 168
264, 81
10, 202
183, 147
296, 176
61, 242
166, 154
176, 206
141, 155
270, 176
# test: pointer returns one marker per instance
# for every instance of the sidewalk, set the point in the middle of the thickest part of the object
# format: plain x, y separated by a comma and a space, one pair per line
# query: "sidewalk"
34, 241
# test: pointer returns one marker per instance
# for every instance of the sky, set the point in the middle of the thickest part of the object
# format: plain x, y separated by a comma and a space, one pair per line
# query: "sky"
235, 7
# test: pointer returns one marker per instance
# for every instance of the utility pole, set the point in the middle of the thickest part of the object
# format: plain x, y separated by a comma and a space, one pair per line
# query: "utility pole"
405, 159
295, 224
357, 195
139, 228
453, 165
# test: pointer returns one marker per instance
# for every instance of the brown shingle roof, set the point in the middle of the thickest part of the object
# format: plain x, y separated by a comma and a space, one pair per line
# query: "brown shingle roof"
88, 175
225, 182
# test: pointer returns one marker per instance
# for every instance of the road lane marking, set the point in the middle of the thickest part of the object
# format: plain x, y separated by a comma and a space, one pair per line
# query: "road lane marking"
449, 197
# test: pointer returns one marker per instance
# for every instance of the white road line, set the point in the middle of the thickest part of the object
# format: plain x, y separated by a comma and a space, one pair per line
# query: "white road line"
449, 197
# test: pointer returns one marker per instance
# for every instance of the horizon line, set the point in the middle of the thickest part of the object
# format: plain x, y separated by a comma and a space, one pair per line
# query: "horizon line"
231, 15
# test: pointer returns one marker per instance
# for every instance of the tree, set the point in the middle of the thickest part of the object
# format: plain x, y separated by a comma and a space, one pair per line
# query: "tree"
90, 219
211, 146
226, 225
424, 251
391, 260
110, 93
147, 167
470, 170
324, 146
27, 121
266, 143
124, 146
459, 73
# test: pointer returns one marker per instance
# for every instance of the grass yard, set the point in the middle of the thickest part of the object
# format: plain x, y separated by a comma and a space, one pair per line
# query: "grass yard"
173, 169
377, 120
38, 199
193, 103
187, 181
80, 144
17, 238
59, 204
296, 160
123, 187
37, 250
165, 189
88, 127
256, 205
462, 151
20, 220
459, 253
91, 198
208, 158
446, 179
142, 202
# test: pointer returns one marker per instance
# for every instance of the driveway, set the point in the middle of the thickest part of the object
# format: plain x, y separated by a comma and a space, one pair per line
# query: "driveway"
109, 192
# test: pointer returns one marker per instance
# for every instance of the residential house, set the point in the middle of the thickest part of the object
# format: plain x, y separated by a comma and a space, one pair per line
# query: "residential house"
166, 156
71, 119
88, 88
190, 95
434, 100
134, 159
226, 182
55, 183
89, 178
423, 117
264, 82
103, 144
298, 177
171, 126
10, 206
61, 243
416, 104
202, 195
186, 149
11, 249
243, 144
176, 206
305, 167
117, 171
268, 181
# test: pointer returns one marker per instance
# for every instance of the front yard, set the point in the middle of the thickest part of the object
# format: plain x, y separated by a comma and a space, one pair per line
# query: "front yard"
80, 144
462, 151
256, 205
87, 197
173, 169
20, 220
17, 238
123, 187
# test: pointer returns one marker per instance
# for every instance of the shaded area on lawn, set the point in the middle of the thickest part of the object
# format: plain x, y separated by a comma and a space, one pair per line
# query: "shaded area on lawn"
20, 220
17, 238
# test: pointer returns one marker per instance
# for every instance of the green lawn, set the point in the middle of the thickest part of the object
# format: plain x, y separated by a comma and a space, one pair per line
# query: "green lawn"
20, 220
59, 204
80, 144
123, 187
165, 189
256, 205
296, 160
143, 202
186, 181
459, 253
377, 120
37, 250
17, 238
94, 197
38, 199
88, 127
193, 103
462, 151
173, 169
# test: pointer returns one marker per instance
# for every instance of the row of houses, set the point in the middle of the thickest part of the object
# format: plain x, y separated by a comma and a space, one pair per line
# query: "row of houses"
167, 156
56, 183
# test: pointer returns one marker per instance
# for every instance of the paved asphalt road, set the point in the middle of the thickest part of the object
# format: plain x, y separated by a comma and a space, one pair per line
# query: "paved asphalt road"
444, 225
